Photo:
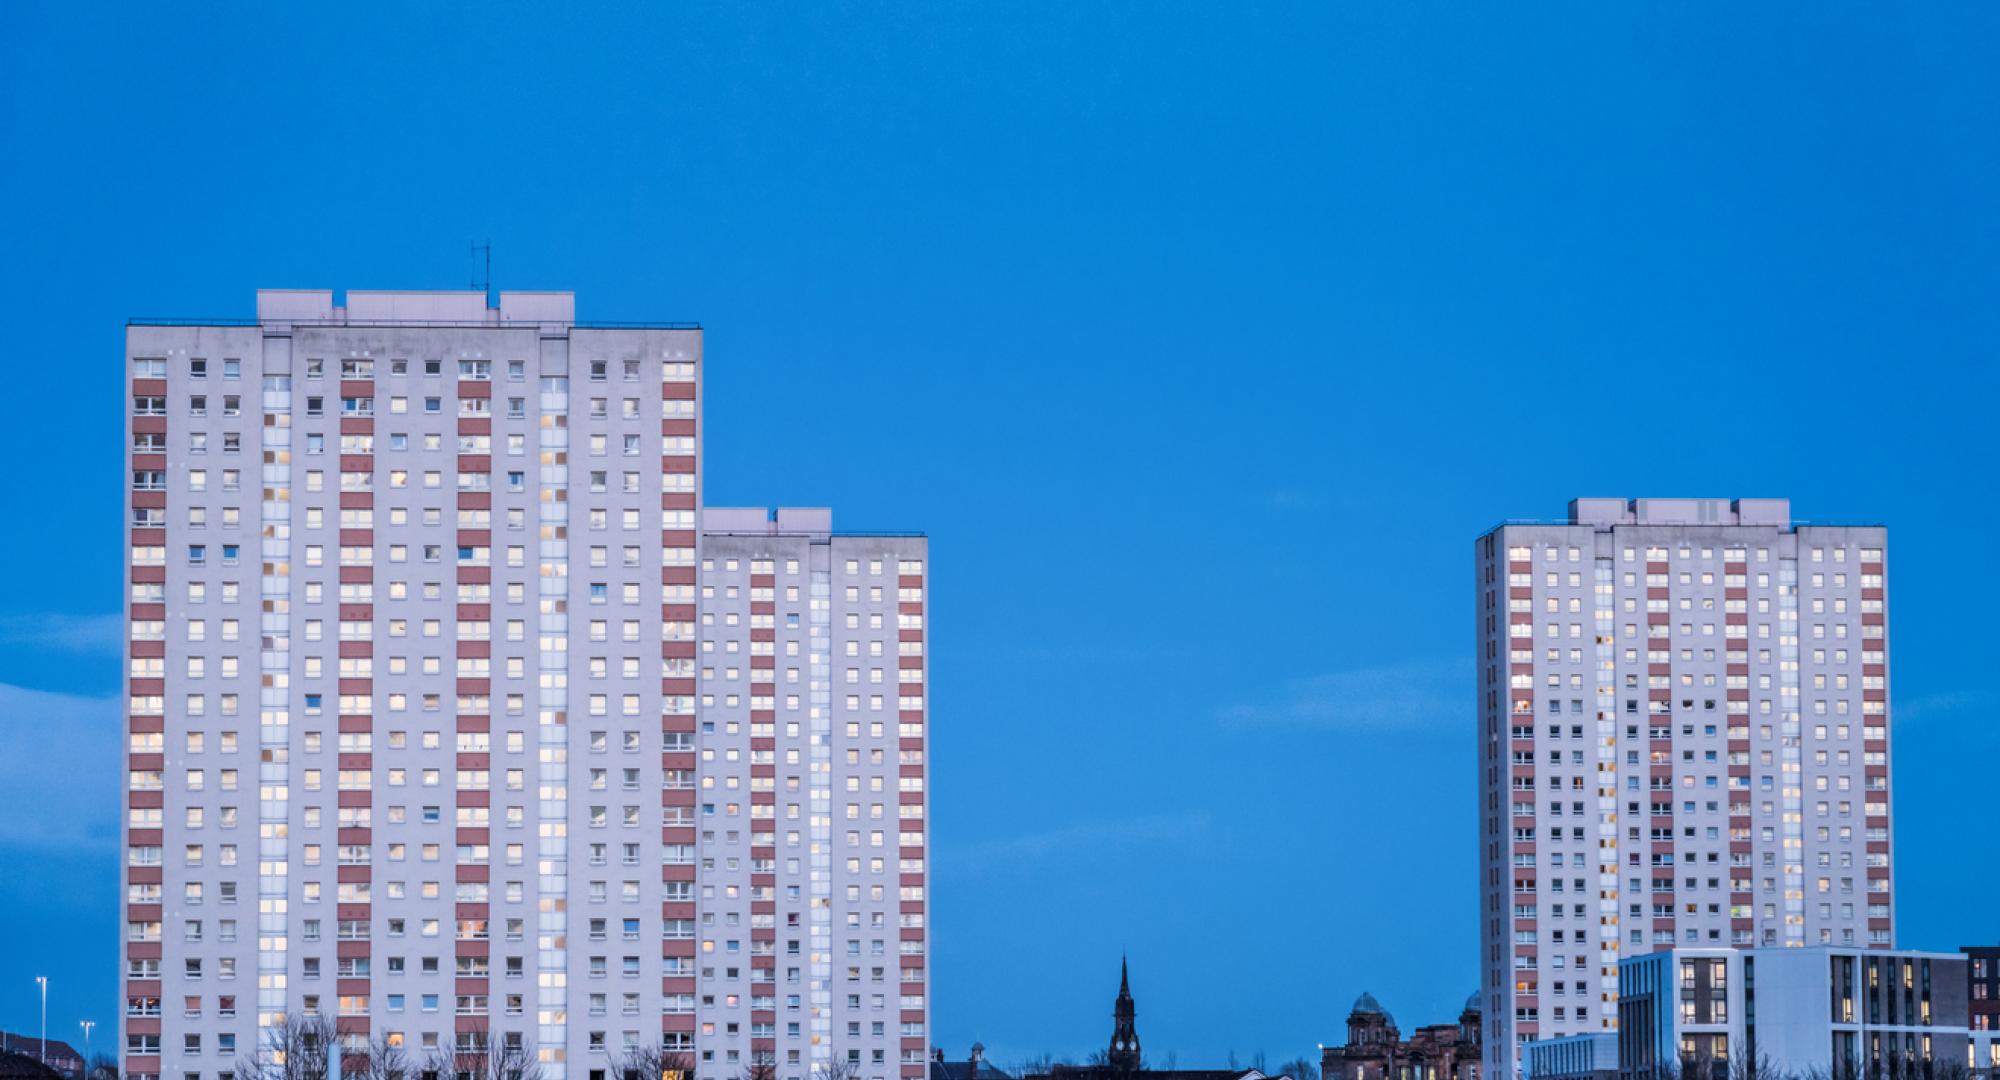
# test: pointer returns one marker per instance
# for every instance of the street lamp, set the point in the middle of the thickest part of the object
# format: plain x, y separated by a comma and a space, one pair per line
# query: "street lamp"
86, 1025
43, 980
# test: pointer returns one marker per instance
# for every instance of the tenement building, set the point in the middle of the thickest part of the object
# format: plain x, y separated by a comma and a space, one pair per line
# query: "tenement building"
1376, 1049
456, 718
1683, 741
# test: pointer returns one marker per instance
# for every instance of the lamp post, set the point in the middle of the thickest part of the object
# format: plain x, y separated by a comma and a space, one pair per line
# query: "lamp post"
86, 1025
43, 981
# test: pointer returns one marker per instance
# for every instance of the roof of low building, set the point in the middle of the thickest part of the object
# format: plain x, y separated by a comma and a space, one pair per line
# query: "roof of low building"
964, 1069
32, 1047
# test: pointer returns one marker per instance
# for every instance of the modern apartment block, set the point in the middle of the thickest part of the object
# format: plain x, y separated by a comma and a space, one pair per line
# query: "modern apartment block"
1983, 985
455, 716
1683, 740
1982, 991
1816, 1011
1592, 1055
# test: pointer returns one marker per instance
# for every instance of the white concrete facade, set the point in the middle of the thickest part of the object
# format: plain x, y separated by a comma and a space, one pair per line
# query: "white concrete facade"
419, 611
1682, 740
813, 779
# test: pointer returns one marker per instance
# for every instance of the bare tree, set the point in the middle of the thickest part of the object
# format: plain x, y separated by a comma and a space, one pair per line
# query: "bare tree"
653, 1062
478, 1054
1744, 1066
1040, 1065
1662, 1070
380, 1059
1699, 1064
758, 1069
102, 1067
1916, 1067
294, 1048
1840, 1070
838, 1066
1299, 1068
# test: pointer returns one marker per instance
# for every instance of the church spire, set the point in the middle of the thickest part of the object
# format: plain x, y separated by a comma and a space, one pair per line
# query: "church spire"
1124, 1053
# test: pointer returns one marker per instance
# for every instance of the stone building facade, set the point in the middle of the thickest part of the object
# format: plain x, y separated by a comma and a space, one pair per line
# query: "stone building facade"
1376, 1049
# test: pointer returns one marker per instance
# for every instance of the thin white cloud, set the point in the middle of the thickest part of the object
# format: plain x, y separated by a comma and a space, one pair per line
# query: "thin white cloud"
1941, 704
61, 769
68, 633
1090, 836
1414, 695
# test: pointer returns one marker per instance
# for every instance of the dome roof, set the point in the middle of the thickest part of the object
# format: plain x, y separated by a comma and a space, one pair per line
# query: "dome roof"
1366, 1005
1472, 1003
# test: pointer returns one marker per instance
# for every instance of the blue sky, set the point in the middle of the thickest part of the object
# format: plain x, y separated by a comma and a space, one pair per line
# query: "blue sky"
1202, 339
